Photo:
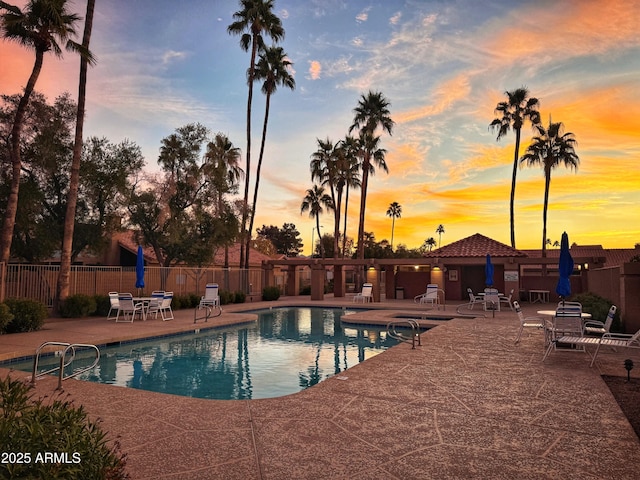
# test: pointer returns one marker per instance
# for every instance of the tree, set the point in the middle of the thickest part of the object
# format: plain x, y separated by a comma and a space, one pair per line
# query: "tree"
350, 175
42, 25
74, 180
371, 113
428, 244
286, 240
315, 201
440, 231
550, 148
255, 19
513, 113
274, 68
394, 211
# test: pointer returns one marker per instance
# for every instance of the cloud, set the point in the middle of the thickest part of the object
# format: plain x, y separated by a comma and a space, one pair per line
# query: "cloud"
363, 16
315, 69
171, 55
395, 19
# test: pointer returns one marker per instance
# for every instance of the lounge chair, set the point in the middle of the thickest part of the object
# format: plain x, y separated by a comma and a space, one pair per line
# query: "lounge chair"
113, 305
164, 307
211, 297
526, 322
473, 299
430, 296
128, 309
507, 299
366, 295
596, 327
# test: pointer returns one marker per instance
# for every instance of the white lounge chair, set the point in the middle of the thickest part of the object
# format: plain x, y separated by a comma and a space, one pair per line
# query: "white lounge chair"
211, 297
114, 305
366, 295
473, 299
596, 327
526, 322
430, 296
128, 309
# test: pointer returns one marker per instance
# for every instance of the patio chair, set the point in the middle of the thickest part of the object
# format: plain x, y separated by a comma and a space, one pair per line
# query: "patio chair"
596, 327
211, 297
473, 299
366, 295
430, 296
491, 299
163, 308
128, 308
507, 299
526, 322
566, 324
113, 305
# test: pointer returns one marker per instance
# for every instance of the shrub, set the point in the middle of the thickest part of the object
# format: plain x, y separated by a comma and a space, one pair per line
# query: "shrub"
598, 307
306, 290
103, 305
28, 315
239, 297
33, 427
194, 300
270, 293
76, 306
226, 297
5, 316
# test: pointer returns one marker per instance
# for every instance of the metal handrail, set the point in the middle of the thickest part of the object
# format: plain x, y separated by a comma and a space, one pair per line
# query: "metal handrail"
217, 309
63, 356
415, 331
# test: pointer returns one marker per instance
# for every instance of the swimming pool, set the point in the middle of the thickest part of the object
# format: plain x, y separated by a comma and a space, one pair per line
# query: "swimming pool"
285, 351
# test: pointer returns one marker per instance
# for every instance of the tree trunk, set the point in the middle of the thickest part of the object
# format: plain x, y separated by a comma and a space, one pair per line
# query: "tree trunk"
363, 203
6, 237
72, 197
547, 183
513, 190
344, 235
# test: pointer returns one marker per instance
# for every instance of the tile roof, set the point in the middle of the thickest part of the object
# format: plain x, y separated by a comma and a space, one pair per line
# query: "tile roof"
613, 256
476, 245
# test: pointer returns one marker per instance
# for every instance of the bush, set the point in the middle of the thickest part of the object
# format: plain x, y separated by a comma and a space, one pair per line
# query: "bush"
103, 305
598, 307
226, 297
270, 293
28, 315
194, 300
77, 306
33, 427
239, 297
5, 316
306, 290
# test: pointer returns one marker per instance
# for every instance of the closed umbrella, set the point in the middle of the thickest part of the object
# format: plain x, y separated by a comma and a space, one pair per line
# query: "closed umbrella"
488, 272
140, 269
565, 268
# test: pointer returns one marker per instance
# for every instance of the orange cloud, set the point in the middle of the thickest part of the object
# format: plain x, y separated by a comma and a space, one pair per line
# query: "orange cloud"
315, 69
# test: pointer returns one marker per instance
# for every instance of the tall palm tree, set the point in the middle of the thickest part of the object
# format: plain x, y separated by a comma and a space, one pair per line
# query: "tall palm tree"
315, 201
74, 180
223, 168
41, 27
440, 231
350, 171
254, 20
550, 148
394, 211
274, 68
429, 243
513, 113
371, 113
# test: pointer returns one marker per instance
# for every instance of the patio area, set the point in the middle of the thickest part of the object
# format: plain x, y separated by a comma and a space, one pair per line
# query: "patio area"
466, 404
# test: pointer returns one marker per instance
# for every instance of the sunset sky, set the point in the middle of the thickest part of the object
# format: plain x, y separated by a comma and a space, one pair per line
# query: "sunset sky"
443, 65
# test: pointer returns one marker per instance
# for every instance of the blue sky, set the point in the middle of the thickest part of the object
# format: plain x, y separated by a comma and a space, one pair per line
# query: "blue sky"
443, 65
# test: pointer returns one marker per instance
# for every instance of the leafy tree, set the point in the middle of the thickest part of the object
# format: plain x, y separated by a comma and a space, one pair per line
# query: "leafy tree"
371, 113
74, 180
550, 148
286, 240
315, 201
39, 27
394, 211
252, 22
274, 68
513, 113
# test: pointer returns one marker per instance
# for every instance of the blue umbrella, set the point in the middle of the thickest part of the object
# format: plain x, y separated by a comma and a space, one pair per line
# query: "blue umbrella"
488, 272
140, 268
565, 268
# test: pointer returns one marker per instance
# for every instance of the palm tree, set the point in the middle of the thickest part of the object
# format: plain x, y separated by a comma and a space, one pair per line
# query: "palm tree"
42, 26
513, 113
74, 180
429, 243
394, 211
274, 68
550, 148
223, 168
350, 172
371, 113
255, 19
440, 231
315, 201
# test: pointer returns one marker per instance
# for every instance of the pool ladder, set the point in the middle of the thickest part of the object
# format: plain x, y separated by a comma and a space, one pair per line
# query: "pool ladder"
392, 331
210, 312
67, 356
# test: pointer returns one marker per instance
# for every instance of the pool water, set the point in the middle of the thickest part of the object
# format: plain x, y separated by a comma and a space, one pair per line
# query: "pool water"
285, 351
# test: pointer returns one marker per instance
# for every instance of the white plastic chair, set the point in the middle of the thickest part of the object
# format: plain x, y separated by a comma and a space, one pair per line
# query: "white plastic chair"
430, 296
128, 308
211, 297
114, 305
596, 327
507, 299
526, 322
491, 299
163, 307
473, 299
366, 295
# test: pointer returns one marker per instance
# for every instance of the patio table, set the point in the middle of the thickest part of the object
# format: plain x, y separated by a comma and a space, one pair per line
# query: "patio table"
542, 296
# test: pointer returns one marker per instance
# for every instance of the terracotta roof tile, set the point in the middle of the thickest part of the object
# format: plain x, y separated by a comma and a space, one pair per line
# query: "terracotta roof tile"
476, 245
613, 256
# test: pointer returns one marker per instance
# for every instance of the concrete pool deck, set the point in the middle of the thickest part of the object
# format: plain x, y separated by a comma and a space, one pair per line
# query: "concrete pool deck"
468, 403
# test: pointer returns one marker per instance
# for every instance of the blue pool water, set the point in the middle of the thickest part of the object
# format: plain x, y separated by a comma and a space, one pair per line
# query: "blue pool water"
285, 351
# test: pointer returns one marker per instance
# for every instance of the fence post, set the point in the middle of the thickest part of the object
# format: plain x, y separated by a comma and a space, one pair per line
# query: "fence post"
3, 283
